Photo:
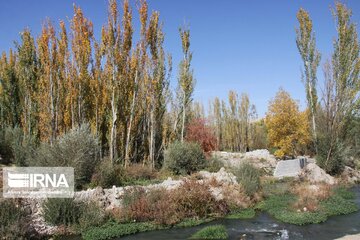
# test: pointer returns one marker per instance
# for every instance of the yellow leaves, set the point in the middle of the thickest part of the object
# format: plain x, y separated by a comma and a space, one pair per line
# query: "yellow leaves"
288, 128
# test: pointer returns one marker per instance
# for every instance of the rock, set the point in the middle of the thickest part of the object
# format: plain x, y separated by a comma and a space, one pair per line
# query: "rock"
260, 158
221, 176
315, 174
350, 175
288, 168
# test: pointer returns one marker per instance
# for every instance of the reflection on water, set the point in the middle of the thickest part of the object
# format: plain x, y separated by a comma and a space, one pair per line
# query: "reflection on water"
265, 227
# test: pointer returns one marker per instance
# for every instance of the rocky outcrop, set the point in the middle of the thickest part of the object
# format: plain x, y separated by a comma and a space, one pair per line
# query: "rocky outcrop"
221, 176
260, 158
314, 174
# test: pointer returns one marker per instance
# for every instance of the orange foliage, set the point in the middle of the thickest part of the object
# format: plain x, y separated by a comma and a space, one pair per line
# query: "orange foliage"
197, 131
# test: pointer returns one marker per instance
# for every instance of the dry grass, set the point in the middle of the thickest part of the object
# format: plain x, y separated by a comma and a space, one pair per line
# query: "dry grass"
140, 171
309, 196
235, 196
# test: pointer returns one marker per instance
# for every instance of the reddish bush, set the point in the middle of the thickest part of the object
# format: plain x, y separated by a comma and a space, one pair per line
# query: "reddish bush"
197, 131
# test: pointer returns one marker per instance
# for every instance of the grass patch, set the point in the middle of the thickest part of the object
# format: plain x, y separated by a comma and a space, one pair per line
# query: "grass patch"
211, 232
242, 214
279, 206
191, 222
112, 230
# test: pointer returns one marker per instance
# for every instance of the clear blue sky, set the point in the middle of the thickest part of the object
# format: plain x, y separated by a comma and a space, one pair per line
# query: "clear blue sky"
247, 46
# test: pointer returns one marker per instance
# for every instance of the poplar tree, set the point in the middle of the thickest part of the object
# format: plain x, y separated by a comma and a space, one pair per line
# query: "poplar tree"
186, 80
48, 82
81, 46
305, 41
27, 75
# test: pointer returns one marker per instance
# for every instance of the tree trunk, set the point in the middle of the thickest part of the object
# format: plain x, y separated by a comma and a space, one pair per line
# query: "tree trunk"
132, 113
113, 128
183, 118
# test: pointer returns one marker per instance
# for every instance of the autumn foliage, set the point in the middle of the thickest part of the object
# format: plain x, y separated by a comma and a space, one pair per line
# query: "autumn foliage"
288, 128
197, 131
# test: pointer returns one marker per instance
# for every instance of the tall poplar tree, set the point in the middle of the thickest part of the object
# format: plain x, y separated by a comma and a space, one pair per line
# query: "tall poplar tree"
305, 41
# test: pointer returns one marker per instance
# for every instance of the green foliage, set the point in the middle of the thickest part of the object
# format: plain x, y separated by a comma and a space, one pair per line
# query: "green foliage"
184, 158
344, 193
249, 177
276, 187
191, 222
331, 160
112, 230
15, 147
106, 174
214, 164
78, 149
211, 232
62, 211
12, 219
242, 214
92, 216
279, 207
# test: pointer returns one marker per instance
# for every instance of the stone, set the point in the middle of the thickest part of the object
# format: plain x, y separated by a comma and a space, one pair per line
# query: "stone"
314, 174
288, 168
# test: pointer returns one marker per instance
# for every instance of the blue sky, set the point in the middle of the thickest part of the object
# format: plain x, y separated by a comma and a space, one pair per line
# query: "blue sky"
247, 46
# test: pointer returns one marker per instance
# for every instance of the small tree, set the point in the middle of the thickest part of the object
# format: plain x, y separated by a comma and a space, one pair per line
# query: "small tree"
198, 132
288, 128
184, 158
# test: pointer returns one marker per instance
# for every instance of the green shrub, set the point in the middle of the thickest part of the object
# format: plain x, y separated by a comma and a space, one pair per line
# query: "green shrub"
107, 174
15, 147
184, 158
332, 163
249, 177
214, 164
13, 220
62, 211
78, 149
92, 216
211, 232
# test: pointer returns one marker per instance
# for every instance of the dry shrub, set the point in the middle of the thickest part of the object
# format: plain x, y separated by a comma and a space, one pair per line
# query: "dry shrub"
309, 196
115, 213
164, 211
194, 199
139, 172
191, 200
235, 196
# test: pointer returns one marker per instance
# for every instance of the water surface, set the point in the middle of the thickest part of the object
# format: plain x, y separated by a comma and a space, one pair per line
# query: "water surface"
264, 226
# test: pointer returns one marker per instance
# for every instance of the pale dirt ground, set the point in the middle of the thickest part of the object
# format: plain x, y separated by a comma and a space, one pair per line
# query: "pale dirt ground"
350, 237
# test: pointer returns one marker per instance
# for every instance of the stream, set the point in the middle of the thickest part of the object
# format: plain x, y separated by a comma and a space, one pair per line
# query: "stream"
264, 226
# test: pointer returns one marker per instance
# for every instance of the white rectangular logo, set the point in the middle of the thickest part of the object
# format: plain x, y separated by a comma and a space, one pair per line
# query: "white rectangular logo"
38, 182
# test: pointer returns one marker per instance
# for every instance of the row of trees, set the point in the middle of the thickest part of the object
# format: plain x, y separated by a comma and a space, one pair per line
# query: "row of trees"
335, 112
61, 79
235, 123
329, 127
